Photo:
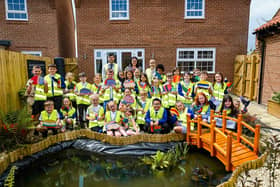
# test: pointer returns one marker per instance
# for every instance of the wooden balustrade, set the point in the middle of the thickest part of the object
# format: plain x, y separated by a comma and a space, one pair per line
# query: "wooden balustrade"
223, 147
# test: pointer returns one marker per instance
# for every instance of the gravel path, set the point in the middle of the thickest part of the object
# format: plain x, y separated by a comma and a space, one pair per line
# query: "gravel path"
261, 174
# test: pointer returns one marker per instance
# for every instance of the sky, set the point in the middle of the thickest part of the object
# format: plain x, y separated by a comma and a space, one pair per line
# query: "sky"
261, 11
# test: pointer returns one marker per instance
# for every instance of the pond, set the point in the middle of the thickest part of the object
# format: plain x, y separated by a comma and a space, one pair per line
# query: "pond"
76, 168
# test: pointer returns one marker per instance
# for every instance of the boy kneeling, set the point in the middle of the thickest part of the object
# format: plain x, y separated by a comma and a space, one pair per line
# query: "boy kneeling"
49, 119
156, 119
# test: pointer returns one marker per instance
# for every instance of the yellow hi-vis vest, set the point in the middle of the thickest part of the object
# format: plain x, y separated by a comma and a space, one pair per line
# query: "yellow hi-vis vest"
40, 94
204, 110
146, 88
183, 118
83, 99
187, 91
96, 89
169, 99
156, 92
111, 92
49, 120
92, 113
156, 116
71, 95
219, 92
70, 112
53, 91
140, 116
115, 69
108, 117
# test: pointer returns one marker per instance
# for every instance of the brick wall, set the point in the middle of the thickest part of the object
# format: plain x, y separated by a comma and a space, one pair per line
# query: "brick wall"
160, 28
39, 33
271, 68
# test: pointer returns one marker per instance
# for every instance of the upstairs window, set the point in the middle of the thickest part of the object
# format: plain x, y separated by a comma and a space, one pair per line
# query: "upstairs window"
16, 10
119, 9
194, 9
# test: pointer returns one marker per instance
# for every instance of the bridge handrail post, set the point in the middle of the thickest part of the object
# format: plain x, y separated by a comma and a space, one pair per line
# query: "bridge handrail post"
213, 137
188, 138
239, 127
229, 151
224, 121
199, 118
257, 138
212, 114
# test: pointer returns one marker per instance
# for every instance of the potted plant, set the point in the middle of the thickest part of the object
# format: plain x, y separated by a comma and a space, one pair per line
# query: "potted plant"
274, 105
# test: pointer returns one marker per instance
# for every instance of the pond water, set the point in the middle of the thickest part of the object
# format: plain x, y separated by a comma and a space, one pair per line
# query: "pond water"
75, 168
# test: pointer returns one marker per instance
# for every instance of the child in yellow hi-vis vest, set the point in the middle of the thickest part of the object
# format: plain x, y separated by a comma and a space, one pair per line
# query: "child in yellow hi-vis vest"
143, 105
169, 92
185, 90
181, 126
97, 86
83, 91
95, 114
203, 85
49, 119
128, 124
201, 106
112, 119
67, 114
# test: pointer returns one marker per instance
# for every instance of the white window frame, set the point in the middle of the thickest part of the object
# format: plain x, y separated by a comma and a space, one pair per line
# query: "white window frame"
195, 17
119, 18
35, 53
104, 52
196, 59
16, 11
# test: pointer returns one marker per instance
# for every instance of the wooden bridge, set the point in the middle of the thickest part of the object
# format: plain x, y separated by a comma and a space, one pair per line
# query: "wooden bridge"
231, 148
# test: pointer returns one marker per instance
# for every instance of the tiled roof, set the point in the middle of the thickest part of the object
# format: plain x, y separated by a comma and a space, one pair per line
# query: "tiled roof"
273, 22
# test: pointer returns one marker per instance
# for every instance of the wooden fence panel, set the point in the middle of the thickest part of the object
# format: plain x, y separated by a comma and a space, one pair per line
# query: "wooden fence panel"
246, 71
14, 75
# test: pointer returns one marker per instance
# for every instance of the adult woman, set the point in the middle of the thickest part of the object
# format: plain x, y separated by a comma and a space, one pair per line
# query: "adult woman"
133, 65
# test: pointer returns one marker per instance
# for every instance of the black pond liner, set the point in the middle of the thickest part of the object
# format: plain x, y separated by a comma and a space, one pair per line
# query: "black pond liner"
139, 149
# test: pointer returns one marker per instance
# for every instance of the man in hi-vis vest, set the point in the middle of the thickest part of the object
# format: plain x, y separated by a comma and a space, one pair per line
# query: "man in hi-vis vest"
111, 65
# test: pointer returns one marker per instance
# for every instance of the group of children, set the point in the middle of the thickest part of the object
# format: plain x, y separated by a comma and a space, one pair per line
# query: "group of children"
128, 103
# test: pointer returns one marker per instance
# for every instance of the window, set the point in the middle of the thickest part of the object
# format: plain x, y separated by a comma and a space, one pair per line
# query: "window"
122, 58
190, 58
35, 53
16, 10
194, 9
119, 9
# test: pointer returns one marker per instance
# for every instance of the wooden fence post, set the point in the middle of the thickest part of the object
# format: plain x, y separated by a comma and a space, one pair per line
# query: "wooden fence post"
199, 131
228, 152
188, 139
239, 127
257, 138
224, 125
213, 137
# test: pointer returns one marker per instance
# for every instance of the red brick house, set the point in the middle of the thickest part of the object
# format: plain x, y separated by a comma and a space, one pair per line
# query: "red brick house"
268, 44
184, 33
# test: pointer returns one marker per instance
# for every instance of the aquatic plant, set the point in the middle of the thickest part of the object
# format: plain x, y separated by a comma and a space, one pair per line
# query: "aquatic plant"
166, 161
273, 161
